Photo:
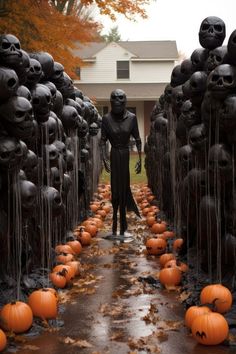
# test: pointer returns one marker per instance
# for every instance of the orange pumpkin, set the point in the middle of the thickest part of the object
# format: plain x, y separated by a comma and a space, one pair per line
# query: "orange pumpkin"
210, 328
67, 270
193, 312
170, 276
58, 279
158, 228
64, 249
91, 229
43, 304
64, 257
175, 263
145, 211
75, 245
168, 234
94, 206
16, 316
107, 208
150, 220
177, 245
3, 340
156, 246
165, 258
218, 295
102, 213
84, 237
99, 222
75, 265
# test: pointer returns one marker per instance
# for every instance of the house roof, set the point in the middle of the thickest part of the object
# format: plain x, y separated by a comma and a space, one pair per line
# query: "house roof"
140, 49
134, 92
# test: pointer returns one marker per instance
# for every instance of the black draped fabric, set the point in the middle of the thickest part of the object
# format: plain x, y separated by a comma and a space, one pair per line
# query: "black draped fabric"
118, 132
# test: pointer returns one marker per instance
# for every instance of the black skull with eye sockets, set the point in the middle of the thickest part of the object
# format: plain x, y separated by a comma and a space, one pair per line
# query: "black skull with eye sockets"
66, 185
49, 130
52, 200
198, 58
93, 129
195, 87
34, 74
58, 104
55, 178
70, 159
198, 137
185, 155
57, 74
177, 99
216, 57
84, 155
70, 118
160, 124
17, 117
30, 166
220, 163
83, 129
10, 53
227, 114
81, 110
221, 81
28, 194
61, 147
22, 69
212, 32
47, 64
189, 115
42, 102
9, 83
50, 156
66, 87
11, 154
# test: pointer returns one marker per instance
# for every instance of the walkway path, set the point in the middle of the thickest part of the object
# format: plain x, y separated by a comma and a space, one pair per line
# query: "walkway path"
112, 309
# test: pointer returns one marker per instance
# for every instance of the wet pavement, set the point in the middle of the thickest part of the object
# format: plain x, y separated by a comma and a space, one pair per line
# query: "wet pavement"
112, 309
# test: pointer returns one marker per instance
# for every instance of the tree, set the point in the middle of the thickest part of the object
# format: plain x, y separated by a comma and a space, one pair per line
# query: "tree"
113, 35
59, 26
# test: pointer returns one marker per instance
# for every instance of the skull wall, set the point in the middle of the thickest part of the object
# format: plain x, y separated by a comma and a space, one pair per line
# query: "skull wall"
49, 160
190, 151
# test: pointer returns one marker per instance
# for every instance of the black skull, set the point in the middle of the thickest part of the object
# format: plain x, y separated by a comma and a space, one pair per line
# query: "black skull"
9, 50
198, 137
17, 117
11, 154
34, 74
31, 166
231, 47
23, 91
212, 32
216, 57
52, 200
198, 58
222, 81
28, 194
47, 63
42, 102
9, 83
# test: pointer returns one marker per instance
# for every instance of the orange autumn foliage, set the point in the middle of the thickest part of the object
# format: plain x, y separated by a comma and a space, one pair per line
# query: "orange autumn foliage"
59, 27
41, 27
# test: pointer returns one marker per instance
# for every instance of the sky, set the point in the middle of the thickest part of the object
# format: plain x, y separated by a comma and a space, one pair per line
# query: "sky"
177, 20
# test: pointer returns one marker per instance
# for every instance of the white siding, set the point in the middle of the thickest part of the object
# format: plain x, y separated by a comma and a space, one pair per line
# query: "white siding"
151, 72
103, 70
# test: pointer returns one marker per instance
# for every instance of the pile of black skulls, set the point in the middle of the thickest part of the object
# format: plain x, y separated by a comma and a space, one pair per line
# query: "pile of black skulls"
49, 159
190, 151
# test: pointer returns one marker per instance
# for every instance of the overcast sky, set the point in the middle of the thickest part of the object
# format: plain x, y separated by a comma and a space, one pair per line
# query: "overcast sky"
178, 20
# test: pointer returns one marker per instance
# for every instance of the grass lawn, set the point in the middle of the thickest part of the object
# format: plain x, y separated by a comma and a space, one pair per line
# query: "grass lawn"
134, 178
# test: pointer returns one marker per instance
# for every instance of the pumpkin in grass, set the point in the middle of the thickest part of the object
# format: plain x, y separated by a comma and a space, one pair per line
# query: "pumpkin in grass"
58, 279
210, 328
3, 340
166, 257
178, 244
193, 312
156, 246
83, 237
68, 271
43, 304
170, 276
16, 317
75, 245
218, 295
158, 228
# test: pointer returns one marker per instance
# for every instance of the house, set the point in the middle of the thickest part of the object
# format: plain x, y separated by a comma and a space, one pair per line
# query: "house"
141, 68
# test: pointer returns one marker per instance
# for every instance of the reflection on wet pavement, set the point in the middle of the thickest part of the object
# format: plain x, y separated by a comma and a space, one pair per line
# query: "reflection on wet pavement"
109, 310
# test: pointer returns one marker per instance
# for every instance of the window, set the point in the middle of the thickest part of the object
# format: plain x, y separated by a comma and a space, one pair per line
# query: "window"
122, 69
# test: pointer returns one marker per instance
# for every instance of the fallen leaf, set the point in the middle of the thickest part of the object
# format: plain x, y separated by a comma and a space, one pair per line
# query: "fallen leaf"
30, 347
82, 344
